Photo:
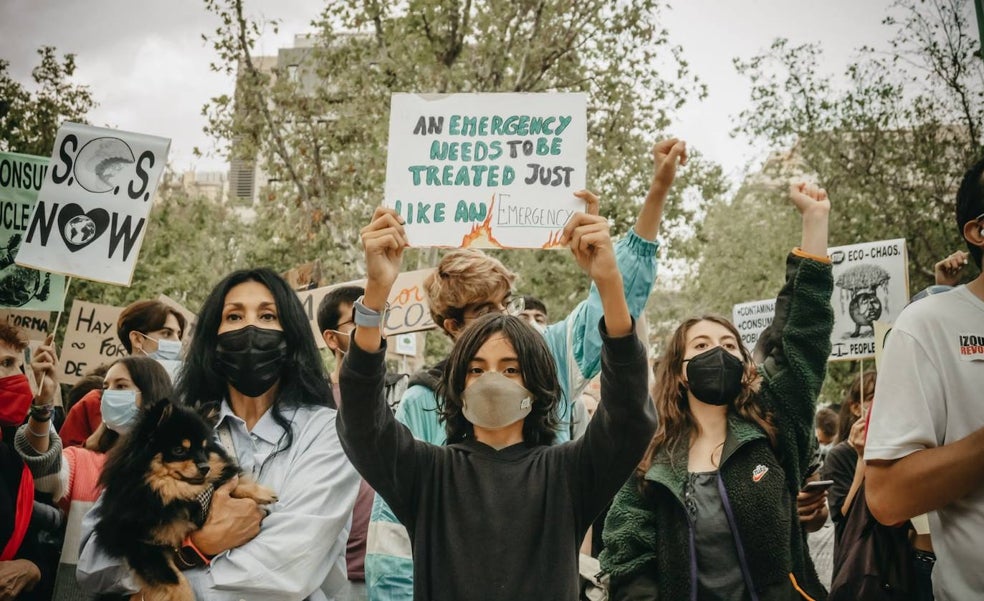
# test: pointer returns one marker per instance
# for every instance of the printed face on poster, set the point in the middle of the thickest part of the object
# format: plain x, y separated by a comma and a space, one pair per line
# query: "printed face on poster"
408, 310
92, 210
90, 340
871, 284
752, 318
21, 177
486, 170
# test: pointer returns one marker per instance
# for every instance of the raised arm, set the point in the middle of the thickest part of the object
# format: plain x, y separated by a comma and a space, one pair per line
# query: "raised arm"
574, 341
36, 441
384, 241
382, 449
667, 154
794, 348
587, 235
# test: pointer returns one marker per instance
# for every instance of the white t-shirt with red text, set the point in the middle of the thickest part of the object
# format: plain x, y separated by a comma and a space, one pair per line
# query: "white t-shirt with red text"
930, 393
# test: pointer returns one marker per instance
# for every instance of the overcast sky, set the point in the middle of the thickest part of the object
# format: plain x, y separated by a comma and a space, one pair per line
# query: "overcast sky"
149, 69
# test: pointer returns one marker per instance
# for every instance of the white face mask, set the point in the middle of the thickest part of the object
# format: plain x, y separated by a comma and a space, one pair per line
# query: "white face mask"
119, 409
493, 401
167, 350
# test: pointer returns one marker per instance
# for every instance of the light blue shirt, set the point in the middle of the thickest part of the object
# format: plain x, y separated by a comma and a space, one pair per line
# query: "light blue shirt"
301, 542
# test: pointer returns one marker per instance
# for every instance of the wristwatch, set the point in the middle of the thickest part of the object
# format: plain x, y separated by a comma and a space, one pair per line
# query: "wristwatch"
366, 317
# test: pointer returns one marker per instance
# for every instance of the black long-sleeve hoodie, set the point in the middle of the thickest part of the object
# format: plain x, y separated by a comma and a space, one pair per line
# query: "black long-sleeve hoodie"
498, 525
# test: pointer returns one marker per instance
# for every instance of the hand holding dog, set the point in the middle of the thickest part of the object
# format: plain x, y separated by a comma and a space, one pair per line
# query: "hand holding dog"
231, 522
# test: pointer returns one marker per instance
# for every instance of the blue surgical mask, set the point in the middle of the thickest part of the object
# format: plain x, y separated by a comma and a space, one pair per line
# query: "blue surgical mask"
119, 410
167, 350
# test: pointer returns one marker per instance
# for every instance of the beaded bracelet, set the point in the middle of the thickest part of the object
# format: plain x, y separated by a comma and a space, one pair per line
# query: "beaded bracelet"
41, 413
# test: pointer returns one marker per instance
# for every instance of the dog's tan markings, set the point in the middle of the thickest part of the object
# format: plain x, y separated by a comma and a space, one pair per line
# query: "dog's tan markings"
168, 592
248, 489
186, 443
162, 479
172, 534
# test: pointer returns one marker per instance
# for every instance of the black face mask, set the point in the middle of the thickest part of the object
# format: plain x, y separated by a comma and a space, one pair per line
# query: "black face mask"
714, 376
251, 358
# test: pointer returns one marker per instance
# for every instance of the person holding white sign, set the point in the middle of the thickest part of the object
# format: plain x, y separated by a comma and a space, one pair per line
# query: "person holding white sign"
499, 512
467, 284
925, 446
712, 510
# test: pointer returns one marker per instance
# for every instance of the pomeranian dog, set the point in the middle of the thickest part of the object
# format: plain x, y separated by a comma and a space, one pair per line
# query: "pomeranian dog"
158, 482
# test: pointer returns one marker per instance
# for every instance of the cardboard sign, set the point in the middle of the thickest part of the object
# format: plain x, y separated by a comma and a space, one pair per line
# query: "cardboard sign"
36, 324
306, 276
752, 318
21, 177
871, 283
90, 340
91, 213
486, 170
408, 310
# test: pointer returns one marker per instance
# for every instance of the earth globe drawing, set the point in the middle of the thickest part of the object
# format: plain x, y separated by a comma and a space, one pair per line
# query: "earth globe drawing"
80, 230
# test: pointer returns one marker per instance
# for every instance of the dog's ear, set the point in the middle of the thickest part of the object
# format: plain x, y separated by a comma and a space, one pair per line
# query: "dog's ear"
210, 412
158, 412
165, 413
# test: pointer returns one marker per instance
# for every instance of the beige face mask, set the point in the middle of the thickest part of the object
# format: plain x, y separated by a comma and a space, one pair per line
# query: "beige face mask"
494, 401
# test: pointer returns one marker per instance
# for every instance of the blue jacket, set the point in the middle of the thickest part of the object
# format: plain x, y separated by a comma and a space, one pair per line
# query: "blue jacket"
575, 343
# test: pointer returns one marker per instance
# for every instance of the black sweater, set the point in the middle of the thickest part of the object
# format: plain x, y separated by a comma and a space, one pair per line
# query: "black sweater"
486, 524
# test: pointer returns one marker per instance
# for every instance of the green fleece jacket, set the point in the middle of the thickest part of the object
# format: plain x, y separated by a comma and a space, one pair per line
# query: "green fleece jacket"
648, 539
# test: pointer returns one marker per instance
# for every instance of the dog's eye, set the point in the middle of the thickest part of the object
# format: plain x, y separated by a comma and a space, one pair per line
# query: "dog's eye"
179, 451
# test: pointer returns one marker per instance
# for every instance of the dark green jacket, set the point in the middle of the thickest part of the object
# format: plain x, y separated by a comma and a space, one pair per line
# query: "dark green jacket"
648, 539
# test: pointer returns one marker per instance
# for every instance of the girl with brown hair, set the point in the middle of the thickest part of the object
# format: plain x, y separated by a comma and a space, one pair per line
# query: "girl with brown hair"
711, 512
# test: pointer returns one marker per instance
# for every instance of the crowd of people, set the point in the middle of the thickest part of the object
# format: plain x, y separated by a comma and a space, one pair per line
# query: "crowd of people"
540, 460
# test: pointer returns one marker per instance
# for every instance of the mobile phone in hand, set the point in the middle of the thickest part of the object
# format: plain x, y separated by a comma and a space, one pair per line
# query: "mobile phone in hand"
818, 485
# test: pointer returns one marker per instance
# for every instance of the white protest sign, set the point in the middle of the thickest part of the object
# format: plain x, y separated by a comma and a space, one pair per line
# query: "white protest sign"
408, 310
871, 283
91, 213
486, 170
21, 177
36, 324
90, 340
752, 318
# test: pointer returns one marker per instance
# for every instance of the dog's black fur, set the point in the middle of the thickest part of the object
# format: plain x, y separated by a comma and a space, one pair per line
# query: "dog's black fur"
153, 478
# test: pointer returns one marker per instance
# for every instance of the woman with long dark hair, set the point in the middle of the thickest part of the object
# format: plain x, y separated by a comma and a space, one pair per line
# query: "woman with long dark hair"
254, 367
499, 512
711, 513
71, 474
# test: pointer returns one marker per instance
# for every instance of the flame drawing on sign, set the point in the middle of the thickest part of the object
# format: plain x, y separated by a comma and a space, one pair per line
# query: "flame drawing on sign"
480, 235
553, 241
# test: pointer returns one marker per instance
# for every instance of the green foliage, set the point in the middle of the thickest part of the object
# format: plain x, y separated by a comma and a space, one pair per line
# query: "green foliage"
321, 127
29, 120
890, 143
891, 146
